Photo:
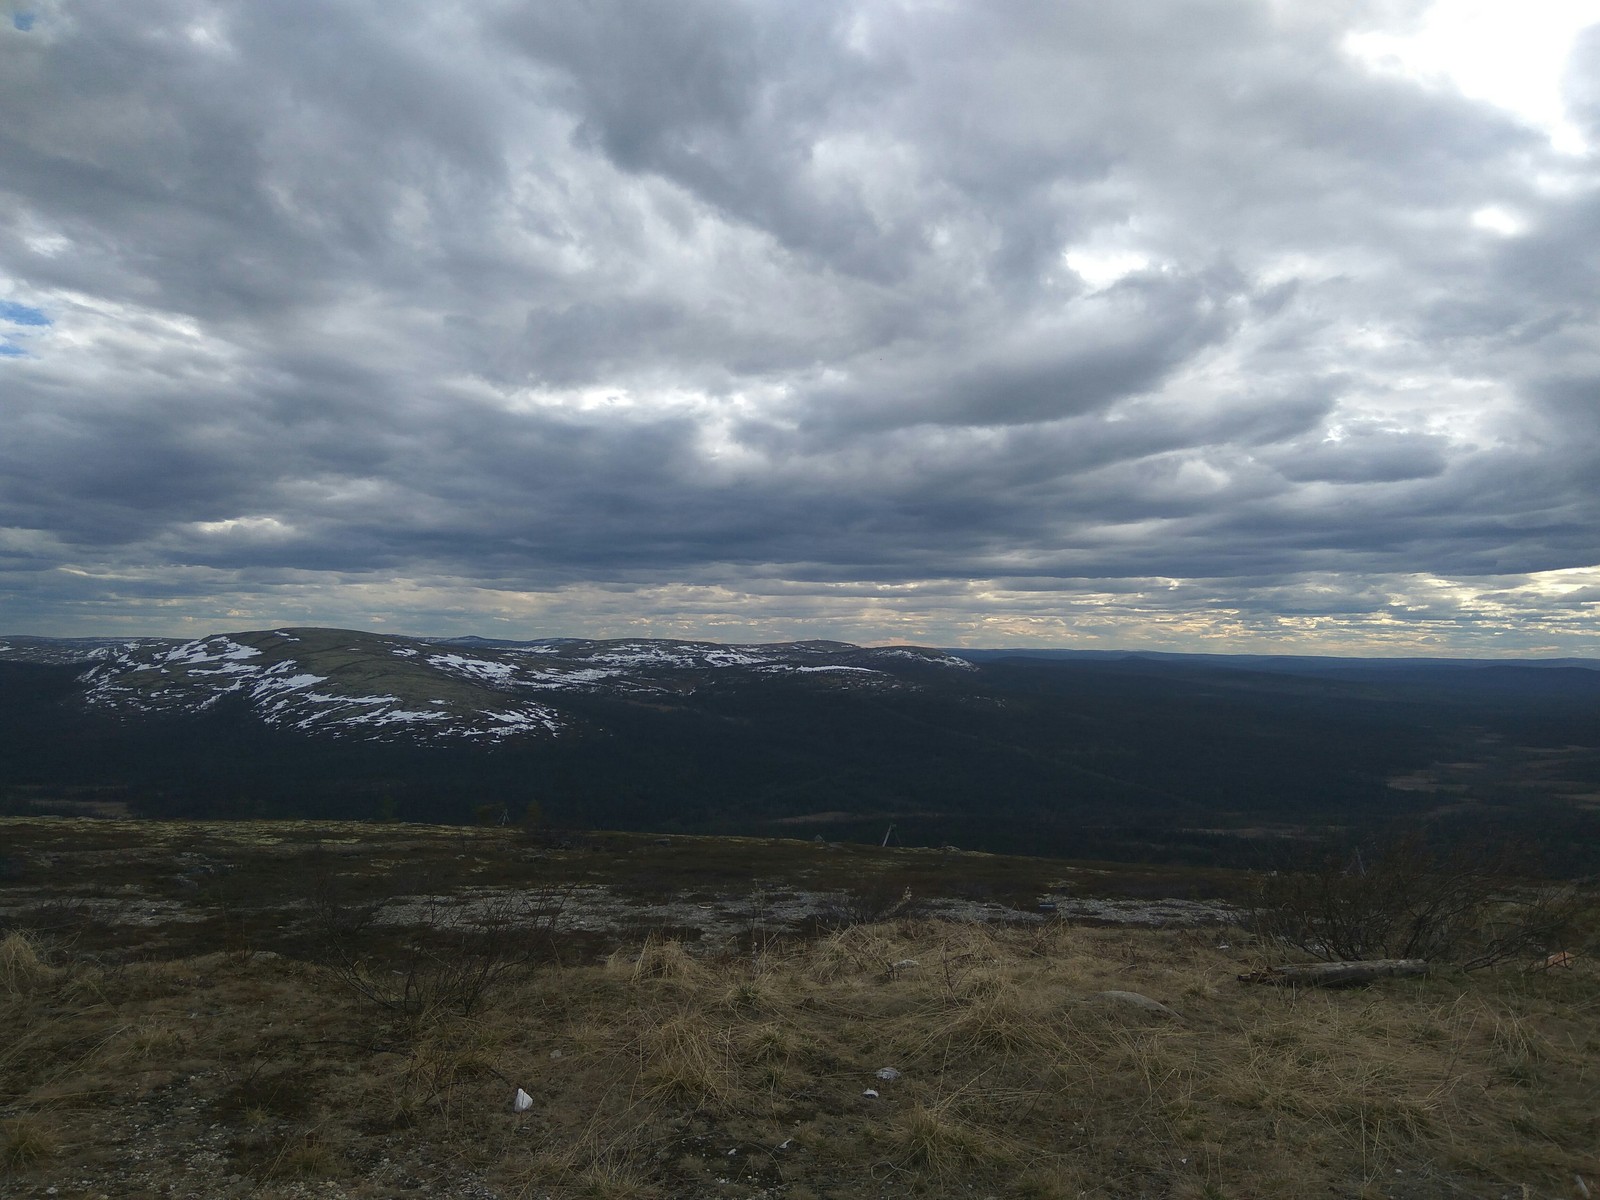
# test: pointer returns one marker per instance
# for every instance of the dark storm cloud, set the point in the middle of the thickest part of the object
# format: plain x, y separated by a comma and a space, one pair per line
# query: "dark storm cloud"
1046, 320
1367, 457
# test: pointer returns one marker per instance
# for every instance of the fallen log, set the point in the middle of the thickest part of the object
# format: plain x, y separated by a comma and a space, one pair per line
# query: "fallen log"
1336, 974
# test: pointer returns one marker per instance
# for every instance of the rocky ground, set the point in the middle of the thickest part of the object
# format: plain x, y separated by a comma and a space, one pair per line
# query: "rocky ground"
350, 1012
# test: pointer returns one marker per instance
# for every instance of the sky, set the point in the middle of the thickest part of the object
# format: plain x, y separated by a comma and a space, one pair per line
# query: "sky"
1211, 325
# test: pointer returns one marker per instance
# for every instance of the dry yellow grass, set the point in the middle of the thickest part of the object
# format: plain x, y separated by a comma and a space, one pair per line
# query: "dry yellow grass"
662, 1074
22, 968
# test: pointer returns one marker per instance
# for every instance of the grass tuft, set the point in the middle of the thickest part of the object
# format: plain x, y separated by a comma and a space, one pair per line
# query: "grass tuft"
303, 1156
605, 1181
931, 1137
686, 1057
663, 959
22, 966
147, 1041
26, 1142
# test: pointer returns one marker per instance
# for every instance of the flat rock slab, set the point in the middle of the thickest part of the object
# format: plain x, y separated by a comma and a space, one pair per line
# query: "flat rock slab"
1136, 1000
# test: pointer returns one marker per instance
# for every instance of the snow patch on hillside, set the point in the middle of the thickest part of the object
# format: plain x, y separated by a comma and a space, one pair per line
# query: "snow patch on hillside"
209, 650
499, 673
579, 677
793, 668
933, 658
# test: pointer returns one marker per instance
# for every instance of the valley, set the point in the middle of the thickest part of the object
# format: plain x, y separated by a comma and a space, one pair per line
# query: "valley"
1155, 758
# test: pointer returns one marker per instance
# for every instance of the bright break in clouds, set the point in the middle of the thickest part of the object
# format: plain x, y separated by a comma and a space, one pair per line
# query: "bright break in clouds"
1212, 324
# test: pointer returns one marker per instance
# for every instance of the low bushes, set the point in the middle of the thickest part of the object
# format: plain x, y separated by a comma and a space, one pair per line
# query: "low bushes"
1470, 906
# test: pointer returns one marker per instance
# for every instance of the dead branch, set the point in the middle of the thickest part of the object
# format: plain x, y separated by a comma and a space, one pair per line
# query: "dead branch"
1336, 974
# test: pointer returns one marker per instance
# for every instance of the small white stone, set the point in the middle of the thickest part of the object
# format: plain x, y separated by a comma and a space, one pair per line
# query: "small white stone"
870, 1094
522, 1102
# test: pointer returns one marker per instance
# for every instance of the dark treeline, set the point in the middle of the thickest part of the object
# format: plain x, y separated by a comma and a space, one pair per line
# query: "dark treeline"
1116, 760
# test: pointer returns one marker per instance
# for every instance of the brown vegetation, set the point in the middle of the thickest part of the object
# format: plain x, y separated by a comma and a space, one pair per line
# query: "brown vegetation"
657, 1073
303, 1021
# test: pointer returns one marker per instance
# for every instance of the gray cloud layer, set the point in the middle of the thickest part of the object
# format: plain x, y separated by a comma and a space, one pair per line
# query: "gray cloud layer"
1163, 324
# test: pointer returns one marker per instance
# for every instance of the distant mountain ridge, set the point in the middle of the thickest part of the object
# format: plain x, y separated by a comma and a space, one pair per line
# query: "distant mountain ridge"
471, 689
1096, 755
1287, 663
352, 683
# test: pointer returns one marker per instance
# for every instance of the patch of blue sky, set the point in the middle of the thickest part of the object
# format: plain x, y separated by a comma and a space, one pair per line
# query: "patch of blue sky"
23, 21
22, 314
7, 350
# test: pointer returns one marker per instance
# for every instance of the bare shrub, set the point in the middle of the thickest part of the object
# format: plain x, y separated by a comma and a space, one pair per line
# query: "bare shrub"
869, 904
1472, 906
227, 894
420, 955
